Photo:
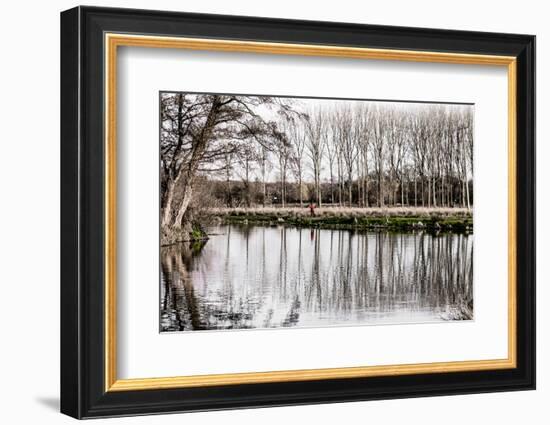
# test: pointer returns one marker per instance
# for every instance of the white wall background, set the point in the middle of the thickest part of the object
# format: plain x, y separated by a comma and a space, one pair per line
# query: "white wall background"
29, 210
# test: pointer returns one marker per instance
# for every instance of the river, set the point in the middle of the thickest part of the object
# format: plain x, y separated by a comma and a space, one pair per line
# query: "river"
250, 277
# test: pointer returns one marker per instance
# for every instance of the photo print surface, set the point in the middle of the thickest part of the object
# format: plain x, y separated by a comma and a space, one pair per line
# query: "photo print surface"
281, 212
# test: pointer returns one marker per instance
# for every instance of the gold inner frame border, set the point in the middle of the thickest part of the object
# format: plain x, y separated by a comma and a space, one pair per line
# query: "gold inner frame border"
111, 43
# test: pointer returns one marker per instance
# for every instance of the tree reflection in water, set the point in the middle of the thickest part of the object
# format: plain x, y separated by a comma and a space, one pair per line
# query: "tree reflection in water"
267, 277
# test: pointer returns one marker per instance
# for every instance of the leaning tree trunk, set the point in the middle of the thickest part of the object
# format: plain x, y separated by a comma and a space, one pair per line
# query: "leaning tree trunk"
186, 200
177, 230
167, 203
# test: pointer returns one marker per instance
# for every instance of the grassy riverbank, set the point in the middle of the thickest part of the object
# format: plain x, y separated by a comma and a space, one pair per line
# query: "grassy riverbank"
394, 219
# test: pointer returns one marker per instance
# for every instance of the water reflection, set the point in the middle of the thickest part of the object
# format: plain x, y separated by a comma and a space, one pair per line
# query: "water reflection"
267, 277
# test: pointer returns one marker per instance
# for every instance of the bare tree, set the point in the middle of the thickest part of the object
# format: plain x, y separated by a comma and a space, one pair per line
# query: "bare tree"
346, 137
397, 134
283, 150
229, 159
468, 125
247, 158
420, 128
264, 170
296, 133
315, 147
362, 128
380, 134
332, 153
194, 134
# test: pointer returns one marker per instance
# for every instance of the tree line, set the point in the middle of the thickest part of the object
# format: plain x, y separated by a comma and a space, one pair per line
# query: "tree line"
352, 153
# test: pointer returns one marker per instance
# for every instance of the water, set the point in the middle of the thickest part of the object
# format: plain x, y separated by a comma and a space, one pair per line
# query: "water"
248, 277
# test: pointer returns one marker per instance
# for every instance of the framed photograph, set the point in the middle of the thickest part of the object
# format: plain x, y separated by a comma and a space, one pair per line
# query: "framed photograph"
261, 212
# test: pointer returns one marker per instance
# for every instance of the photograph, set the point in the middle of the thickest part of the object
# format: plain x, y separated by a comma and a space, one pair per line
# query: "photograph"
305, 208
280, 212
285, 210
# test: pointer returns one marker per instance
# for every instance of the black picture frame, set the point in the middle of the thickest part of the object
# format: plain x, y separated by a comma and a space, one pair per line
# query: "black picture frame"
83, 392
